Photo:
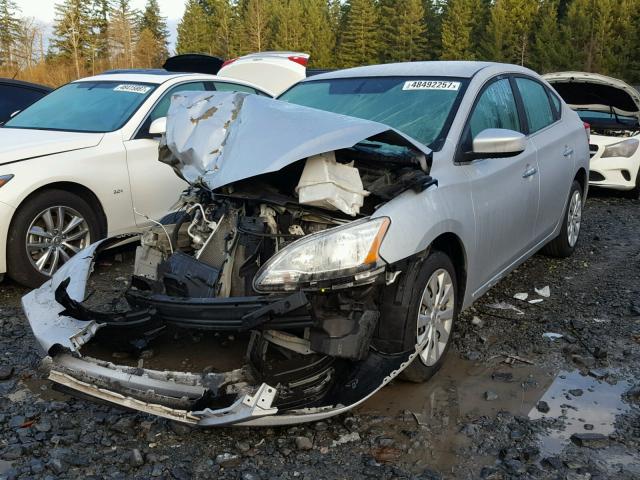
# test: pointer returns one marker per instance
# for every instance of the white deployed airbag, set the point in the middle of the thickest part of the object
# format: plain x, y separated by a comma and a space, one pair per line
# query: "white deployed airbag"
328, 184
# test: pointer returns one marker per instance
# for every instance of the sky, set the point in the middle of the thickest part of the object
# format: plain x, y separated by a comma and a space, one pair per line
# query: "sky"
43, 11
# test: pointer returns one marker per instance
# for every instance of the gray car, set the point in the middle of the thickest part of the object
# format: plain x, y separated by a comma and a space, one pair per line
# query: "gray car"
338, 231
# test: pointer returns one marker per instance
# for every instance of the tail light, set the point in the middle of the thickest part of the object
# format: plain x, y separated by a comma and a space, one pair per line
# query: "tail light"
299, 60
587, 129
228, 62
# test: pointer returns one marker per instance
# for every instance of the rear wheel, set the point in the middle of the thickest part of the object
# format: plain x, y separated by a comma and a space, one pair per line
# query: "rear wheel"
432, 316
565, 243
46, 231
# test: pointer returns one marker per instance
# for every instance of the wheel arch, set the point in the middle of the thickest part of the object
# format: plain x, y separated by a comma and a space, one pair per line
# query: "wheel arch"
582, 178
452, 245
77, 189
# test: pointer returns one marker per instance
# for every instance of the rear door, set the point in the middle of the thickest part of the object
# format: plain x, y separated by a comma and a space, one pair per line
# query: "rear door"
555, 146
505, 190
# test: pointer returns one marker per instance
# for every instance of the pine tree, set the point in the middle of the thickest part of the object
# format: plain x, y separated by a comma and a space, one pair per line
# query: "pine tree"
9, 28
98, 43
152, 21
71, 32
459, 41
221, 24
402, 31
359, 37
256, 25
194, 32
287, 25
123, 32
433, 15
509, 31
546, 47
319, 34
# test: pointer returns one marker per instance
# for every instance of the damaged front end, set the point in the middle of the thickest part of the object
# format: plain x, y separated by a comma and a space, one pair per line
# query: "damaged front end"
285, 256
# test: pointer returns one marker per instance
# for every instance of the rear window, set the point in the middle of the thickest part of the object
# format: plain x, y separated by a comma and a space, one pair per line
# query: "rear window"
13, 97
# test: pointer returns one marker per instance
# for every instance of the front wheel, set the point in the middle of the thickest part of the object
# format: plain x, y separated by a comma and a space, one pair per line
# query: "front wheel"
432, 316
46, 231
565, 243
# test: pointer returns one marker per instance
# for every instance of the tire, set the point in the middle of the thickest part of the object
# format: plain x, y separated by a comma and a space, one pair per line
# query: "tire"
40, 215
437, 265
565, 243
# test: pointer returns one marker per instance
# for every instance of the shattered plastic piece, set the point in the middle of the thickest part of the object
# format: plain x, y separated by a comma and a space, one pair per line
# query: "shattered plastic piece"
328, 184
552, 335
346, 438
521, 296
544, 291
536, 300
506, 306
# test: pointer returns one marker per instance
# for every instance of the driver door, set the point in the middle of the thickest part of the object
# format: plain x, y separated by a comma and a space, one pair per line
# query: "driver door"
505, 191
155, 187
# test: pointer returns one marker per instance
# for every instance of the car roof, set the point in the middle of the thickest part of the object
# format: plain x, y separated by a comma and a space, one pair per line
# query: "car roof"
459, 69
22, 83
156, 76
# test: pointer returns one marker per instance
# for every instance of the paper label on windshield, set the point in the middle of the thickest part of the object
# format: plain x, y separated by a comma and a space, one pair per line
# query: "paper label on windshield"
430, 85
132, 88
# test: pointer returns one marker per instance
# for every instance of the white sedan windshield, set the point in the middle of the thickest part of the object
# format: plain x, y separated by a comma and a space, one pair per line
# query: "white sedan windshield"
102, 106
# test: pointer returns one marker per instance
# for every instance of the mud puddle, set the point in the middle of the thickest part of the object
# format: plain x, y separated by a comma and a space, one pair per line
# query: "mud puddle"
585, 404
429, 419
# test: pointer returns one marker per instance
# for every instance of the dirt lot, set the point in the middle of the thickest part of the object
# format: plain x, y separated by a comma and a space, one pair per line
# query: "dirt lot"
509, 402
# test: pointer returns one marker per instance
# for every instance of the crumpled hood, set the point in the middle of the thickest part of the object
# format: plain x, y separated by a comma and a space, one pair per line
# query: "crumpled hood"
591, 91
222, 137
20, 144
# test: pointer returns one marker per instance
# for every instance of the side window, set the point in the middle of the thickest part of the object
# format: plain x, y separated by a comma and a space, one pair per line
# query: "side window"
233, 87
536, 104
496, 108
162, 107
556, 104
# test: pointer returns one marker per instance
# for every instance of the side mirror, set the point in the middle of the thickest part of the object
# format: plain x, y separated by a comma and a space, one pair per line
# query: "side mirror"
158, 127
498, 143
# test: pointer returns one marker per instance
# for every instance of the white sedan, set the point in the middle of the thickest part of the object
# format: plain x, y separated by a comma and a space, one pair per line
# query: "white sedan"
82, 163
612, 109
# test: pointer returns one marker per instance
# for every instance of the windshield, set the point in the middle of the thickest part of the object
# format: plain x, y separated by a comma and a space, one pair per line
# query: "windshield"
102, 106
417, 106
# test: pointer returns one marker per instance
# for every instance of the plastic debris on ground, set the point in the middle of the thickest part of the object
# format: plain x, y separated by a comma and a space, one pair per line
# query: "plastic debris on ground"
552, 335
521, 296
506, 306
544, 291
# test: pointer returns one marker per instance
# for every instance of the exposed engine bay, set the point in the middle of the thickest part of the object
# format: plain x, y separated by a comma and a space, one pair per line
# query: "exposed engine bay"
289, 258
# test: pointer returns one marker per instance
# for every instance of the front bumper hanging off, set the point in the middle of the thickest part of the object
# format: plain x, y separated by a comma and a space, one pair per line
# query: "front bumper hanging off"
202, 399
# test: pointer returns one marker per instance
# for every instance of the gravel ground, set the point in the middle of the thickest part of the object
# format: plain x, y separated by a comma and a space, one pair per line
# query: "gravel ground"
509, 402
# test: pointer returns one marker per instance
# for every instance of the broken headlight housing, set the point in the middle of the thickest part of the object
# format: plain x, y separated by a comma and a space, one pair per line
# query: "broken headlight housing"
343, 253
625, 149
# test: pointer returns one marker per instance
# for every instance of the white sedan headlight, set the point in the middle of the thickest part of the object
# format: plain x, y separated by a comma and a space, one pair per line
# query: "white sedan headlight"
626, 148
338, 253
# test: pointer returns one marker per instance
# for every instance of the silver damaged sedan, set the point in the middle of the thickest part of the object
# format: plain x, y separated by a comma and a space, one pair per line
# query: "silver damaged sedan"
334, 233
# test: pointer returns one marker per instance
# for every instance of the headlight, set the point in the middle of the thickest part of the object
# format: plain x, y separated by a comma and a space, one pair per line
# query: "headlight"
334, 254
626, 148
4, 179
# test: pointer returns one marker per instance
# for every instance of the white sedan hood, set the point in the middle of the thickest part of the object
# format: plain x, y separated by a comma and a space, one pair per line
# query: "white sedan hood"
591, 91
18, 144
223, 137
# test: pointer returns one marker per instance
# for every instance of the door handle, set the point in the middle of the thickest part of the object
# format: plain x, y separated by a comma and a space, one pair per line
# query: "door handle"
530, 171
568, 152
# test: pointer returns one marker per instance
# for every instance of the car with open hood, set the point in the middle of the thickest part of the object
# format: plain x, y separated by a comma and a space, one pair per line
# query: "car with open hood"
334, 233
81, 163
611, 107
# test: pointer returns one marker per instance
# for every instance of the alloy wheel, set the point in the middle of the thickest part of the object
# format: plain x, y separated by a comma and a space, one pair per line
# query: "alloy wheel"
435, 317
56, 234
574, 218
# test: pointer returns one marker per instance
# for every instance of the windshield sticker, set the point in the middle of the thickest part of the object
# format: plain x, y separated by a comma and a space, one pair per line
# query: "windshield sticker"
430, 85
132, 88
